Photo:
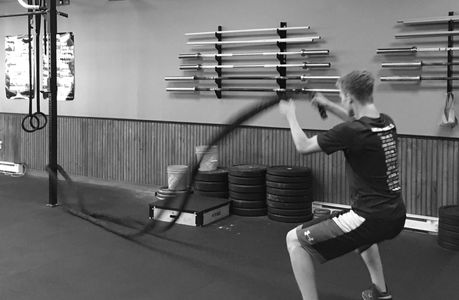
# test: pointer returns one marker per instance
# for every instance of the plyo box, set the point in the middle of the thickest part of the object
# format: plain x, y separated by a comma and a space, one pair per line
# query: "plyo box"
198, 211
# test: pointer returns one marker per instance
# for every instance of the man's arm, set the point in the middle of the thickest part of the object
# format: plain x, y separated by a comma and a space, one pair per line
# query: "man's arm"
336, 109
303, 143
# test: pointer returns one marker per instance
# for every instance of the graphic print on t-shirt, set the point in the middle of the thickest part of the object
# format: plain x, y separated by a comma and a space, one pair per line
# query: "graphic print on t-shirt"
389, 146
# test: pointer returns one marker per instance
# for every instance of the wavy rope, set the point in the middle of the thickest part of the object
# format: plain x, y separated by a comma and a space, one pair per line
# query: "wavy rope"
141, 228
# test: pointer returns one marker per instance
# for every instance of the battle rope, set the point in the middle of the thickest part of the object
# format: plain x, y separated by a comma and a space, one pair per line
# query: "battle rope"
139, 227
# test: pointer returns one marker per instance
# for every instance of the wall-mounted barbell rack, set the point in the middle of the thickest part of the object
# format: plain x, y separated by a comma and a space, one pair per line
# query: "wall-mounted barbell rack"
449, 78
281, 66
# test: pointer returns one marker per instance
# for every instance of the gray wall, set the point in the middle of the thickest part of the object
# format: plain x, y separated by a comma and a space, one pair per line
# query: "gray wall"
125, 48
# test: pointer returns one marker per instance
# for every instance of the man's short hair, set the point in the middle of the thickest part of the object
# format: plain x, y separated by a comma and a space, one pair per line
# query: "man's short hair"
359, 84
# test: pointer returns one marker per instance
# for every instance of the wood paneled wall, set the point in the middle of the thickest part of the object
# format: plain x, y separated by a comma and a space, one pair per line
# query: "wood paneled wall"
140, 151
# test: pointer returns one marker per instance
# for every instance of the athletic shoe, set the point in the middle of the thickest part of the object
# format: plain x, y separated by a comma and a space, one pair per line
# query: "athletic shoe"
374, 294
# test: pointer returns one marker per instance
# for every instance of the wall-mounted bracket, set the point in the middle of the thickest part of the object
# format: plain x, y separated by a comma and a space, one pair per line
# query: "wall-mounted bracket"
218, 58
282, 82
449, 67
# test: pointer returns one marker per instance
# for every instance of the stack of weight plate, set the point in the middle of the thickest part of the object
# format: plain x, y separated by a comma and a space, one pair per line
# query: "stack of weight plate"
247, 190
164, 193
212, 183
448, 227
289, 194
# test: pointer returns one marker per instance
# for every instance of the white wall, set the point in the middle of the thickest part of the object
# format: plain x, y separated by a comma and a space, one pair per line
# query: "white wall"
125, 48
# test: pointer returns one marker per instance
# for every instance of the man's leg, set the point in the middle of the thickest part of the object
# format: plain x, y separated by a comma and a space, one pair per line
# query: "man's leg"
303, 267
373, 262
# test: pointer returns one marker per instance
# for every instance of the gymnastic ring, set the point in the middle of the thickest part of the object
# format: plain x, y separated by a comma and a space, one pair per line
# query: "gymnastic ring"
29, 118
40, 125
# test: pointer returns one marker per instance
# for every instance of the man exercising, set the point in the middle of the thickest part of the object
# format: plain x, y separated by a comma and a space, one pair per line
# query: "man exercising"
368, 140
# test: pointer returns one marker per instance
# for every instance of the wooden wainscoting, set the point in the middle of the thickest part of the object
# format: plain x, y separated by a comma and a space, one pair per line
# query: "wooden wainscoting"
140, 151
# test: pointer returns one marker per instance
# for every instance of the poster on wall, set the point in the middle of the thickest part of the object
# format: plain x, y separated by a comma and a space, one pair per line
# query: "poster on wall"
17, 82
65, 67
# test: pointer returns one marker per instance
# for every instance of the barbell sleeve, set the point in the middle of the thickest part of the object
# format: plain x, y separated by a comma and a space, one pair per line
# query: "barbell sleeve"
325, 91
191, 67
401, 64
247, 30
316, 65
400, 78
181, 89
196, 55
396, 50
183, 78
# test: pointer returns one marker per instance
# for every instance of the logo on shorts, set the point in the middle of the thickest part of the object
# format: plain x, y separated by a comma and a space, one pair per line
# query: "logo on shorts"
307, 234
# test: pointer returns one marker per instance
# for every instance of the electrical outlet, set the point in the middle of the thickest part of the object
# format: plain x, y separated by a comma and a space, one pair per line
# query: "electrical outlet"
1, 145
63, 2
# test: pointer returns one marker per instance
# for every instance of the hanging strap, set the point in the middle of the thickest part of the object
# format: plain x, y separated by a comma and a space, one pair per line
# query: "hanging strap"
30, 122
448, 118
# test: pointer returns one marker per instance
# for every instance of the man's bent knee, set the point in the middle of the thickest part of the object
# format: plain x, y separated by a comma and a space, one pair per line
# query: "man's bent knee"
292, 240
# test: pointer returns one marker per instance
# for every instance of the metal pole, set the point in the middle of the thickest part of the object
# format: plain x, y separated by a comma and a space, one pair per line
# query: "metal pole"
290, 40
303, 65
52, 103
249, 77
247, 30
432, 20
303, 52
426, 34
417, 78
415, 64
255, 89
414, 50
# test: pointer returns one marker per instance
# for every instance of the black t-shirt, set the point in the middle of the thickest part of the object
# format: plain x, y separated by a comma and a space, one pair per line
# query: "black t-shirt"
370, 149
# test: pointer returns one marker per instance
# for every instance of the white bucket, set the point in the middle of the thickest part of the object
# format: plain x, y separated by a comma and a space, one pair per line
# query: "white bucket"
177, 177
209, 160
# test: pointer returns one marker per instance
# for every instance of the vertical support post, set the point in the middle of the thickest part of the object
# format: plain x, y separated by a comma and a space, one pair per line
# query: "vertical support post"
52, 17
282, 82
219, 62
449, 69
37, 59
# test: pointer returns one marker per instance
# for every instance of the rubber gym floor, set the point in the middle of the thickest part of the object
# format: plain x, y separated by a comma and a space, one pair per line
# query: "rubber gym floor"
46, 253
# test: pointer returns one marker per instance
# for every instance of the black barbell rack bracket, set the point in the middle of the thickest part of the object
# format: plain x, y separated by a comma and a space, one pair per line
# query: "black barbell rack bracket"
218, 58
282, 82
